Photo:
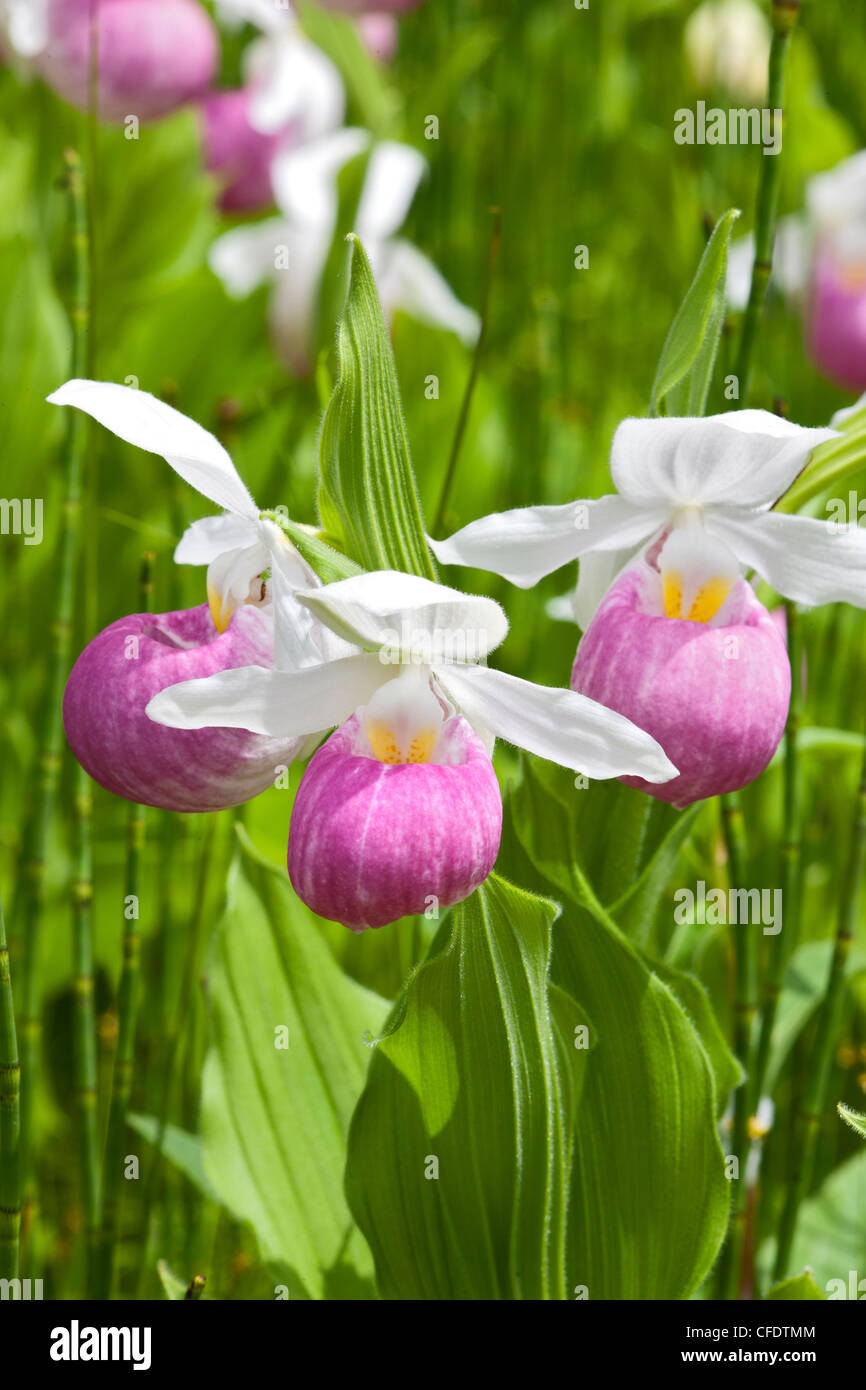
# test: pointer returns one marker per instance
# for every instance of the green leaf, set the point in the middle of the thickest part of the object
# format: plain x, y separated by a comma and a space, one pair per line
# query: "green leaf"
853, 1118
800, 1286
174, 1288
831, 1233
688, 356
338, 36
367, 493
479, 1073
180, 1148
649, 1197
274, 1118
329, 564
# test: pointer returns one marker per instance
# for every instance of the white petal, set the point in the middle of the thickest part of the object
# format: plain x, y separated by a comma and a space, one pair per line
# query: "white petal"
791, 262
232, 578
267, 16
295, 299
407, 280
527, 543
558, 724
596, 572
561, 609
838, 420
305, 179
278, 703
839, 195
804, 559
295, 84
391, 611
204, 540
27, 25
748, 458
300, 639
246, 257
738, 282
393, 176
150, 424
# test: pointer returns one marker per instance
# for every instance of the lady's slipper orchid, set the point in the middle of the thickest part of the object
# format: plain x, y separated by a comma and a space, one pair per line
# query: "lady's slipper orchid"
291, 252
400, 805
725, 471
681, 645
820, 261
727, 44
120, 671
127, 664
293, 84
238, 154
154, 55
694, 506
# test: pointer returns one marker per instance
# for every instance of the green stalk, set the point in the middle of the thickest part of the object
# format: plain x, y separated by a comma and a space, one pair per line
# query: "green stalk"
818, 1086
183, 1006
10, 1191
463, 418
784, 17
791, 853
32, 896
85, 1016
127, 1008
745, 942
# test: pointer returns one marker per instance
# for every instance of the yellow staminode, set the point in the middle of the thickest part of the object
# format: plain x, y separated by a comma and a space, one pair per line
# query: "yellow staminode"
390, 747
220, 610
698, 573
403, 719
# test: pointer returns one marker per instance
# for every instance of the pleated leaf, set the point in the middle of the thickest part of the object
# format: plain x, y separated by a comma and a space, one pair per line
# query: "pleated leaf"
460, 1147
285, 1068
685, 369
367, 493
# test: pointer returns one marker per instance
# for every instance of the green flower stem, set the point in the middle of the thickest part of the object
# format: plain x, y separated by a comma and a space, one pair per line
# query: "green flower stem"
127, 1009
29, 922
745, 941
818, 1086
791, 854
84, 1060
463, 418
784, 17
182, 1013
10, 1191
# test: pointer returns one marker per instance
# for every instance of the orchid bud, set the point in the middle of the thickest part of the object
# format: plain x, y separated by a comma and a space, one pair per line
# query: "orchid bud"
379, 34
129, 754
682, 647
236, 152
154, 55
837, 320
727, 44
398, 813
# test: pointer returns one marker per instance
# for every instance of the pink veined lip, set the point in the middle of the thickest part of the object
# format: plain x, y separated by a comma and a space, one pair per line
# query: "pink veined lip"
236, 152
371, 842
123, 750
714, 695
836, 325
154, 55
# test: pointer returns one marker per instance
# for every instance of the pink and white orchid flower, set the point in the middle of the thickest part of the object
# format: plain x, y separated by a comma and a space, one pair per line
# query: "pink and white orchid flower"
290, 252
125, 666
154, 55
401, 804
819, 262
664, 558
